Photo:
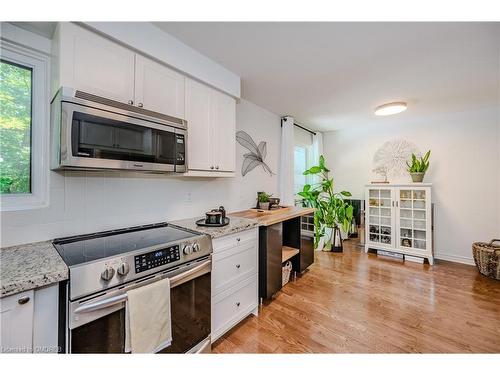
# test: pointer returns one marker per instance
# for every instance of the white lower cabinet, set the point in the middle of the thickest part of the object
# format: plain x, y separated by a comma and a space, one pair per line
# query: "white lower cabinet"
16, 323
234, 280
29, 321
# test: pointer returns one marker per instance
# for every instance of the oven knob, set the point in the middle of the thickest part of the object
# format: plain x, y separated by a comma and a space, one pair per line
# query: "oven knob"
196, 247
107, 274
123, 269
187, 249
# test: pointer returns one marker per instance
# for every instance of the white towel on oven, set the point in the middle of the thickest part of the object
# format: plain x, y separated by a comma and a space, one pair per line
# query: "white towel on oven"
148, 327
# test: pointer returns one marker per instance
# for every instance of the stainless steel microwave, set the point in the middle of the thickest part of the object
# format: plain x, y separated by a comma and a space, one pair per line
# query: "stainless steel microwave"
92, 133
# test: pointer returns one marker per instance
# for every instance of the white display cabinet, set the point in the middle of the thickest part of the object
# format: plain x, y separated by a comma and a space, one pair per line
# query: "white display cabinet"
399, 219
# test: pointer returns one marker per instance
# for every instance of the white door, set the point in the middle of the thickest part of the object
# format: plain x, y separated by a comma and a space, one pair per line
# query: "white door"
223, 132
158, 88
380, 218
198, 116
414, 210
16, 323
97, 65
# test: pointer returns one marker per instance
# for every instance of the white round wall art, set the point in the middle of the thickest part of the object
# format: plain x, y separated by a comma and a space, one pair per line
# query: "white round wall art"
389, 162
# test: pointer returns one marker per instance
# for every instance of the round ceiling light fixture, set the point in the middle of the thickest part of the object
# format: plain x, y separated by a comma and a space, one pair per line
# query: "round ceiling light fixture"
390, 108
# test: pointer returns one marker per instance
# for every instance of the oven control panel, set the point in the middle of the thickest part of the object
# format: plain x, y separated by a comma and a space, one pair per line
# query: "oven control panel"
157, 258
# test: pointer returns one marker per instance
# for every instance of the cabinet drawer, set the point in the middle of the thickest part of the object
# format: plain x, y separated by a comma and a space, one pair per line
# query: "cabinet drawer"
233, 305
234, 265
237, 239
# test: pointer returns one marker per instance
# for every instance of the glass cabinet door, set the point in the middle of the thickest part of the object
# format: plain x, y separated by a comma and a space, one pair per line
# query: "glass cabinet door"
380, 216
413, 211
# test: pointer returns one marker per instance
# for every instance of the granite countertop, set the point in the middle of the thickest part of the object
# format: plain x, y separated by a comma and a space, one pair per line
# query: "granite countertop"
30, 266
236, 224
270, 217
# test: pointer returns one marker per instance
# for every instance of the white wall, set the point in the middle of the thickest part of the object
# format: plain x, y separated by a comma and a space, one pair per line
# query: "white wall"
464, 170
83, 202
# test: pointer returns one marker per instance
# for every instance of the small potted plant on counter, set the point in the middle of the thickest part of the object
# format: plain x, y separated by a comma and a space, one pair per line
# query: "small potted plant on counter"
332, 211
264, 201
418, 166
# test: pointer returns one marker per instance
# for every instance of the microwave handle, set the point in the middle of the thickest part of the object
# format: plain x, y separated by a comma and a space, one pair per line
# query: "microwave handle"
176, 280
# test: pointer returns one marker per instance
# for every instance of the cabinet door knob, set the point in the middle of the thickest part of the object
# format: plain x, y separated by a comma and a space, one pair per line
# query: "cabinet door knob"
140, 105
238, 304
212, 167
217, 167
23, 300
131, 102
238, 266
238, 239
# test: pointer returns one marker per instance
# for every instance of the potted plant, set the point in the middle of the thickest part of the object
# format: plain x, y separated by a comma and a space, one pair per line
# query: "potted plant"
332, 211
418, 166
264, 200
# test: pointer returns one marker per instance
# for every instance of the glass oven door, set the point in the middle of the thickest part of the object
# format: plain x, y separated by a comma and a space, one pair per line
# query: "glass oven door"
95, 138
98, 325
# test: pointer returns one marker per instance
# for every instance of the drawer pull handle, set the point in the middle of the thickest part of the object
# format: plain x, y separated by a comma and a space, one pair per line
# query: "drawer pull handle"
238, 266
23, 300
237, 304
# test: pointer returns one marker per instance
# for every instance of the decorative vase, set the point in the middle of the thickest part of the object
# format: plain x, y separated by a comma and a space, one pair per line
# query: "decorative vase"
321, 244
325, 243
337, 241
417, 176
333, 241
264, 205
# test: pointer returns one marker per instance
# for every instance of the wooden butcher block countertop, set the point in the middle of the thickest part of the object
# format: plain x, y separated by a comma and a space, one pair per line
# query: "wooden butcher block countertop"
271, 217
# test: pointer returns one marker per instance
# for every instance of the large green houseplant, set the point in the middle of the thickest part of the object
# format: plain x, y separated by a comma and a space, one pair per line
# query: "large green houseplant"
332, 211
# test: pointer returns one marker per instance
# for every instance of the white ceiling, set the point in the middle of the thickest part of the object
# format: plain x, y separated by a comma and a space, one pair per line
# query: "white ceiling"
332, 75
45, 29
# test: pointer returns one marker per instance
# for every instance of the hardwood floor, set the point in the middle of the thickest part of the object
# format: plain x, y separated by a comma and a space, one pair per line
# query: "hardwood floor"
357, 303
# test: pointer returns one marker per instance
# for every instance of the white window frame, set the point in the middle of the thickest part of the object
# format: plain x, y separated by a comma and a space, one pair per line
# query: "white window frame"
39, 63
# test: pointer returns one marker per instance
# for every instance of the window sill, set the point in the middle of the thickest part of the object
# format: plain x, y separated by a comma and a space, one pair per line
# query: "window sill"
21, 202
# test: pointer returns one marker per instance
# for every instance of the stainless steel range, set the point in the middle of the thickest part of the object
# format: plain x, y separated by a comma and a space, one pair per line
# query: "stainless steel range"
104, 266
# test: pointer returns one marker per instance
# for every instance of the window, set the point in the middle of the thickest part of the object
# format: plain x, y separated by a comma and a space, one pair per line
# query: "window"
299, 166
15, 128
23, 127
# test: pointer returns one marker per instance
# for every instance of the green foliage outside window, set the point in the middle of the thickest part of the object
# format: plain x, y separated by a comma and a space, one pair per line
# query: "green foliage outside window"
15, 129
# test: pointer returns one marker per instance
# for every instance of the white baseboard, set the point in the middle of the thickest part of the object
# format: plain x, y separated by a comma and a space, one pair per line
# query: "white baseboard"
455, 258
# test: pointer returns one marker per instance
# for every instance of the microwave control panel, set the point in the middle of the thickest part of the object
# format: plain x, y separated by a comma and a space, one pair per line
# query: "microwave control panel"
157, 258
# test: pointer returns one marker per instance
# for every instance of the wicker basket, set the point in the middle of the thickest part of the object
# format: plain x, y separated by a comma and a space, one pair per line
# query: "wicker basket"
486, 257
286, 271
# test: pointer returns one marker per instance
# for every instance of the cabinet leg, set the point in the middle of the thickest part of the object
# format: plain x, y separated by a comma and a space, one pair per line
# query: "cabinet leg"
366, 248
256, 311
431, 261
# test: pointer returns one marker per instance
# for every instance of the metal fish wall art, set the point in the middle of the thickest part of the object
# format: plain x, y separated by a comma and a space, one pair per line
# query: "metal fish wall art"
255, 157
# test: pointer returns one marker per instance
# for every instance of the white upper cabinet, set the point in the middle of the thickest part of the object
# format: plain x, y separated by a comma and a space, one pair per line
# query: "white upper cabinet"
198, 116
88, 62
158, 88
224, 132
211, 117
91, 63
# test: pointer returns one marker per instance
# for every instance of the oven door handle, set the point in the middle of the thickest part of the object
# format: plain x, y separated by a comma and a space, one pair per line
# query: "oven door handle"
176, 280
